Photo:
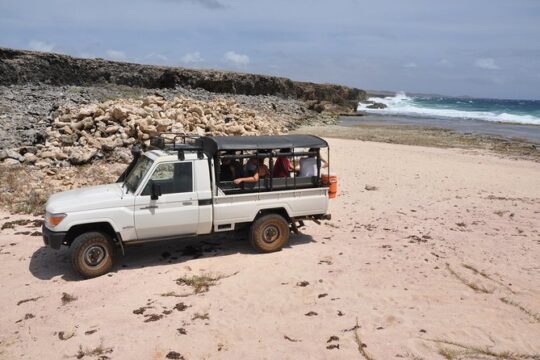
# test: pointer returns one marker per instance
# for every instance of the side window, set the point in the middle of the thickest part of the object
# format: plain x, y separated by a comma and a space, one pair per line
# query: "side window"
172, 178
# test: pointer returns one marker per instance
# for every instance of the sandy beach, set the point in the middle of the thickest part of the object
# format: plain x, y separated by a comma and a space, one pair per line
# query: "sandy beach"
432, 253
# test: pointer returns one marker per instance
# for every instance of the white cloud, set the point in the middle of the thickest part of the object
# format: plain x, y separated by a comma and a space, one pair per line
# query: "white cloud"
192, 58
116, 54
236, 59
486, 63
410, 65
41, 46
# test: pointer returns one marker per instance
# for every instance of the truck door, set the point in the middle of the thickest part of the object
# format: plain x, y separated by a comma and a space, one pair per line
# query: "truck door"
175, 212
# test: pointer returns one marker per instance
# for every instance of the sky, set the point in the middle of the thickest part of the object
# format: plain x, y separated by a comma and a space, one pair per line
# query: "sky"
481, 48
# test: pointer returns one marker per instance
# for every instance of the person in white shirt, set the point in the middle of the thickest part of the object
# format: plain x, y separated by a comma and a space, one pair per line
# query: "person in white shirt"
308, 165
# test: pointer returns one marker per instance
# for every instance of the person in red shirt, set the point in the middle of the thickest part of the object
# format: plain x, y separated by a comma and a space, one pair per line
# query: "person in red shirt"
283, 165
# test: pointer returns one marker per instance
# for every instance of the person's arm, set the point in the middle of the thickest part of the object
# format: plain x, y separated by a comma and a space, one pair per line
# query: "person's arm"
289, 166
324, 163
298, 165
251, 179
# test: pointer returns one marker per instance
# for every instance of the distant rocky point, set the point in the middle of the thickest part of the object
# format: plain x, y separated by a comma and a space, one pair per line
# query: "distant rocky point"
24, 67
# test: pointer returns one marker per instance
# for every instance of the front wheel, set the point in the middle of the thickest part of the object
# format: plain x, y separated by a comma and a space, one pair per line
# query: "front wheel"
91, 254
269, 233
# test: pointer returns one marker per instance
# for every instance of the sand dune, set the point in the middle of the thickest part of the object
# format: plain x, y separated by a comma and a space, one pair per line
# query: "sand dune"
439, 259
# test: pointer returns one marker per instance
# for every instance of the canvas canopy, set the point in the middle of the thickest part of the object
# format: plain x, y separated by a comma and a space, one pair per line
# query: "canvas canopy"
212, 144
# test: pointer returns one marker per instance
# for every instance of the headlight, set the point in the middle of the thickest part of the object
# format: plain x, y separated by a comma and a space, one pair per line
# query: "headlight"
54, 219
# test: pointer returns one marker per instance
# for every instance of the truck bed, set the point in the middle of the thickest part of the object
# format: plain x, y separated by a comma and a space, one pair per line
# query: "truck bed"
233, 209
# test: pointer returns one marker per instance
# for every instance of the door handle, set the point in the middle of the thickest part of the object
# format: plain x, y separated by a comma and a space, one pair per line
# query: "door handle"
149, 207
187, 203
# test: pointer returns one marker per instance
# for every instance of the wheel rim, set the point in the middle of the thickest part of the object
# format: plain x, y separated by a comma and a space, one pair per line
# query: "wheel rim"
270, 234
94, 255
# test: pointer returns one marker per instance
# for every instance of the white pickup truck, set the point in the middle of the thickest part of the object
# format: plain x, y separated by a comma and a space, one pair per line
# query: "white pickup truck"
186, 188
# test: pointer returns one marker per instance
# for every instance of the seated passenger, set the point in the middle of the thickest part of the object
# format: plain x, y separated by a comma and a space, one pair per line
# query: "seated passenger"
283, 165
308, 165
230, 169
255, 169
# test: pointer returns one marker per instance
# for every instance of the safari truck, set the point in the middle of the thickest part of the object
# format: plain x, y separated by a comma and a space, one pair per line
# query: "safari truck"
182, 187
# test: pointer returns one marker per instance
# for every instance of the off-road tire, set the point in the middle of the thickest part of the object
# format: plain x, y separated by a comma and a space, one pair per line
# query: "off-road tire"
269, 233
92, 254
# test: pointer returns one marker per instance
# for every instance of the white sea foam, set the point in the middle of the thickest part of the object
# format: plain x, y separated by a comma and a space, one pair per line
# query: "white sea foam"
401, 104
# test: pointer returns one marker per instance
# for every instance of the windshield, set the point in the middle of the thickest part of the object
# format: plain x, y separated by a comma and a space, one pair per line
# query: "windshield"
136, 175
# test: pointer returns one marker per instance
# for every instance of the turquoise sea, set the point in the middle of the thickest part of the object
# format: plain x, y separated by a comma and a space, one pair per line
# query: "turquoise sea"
505, 118
495, 110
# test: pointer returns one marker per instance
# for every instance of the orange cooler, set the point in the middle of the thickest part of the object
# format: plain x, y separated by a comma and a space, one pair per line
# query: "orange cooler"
331, 181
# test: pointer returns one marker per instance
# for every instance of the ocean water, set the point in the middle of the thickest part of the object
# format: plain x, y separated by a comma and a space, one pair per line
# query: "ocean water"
448, 108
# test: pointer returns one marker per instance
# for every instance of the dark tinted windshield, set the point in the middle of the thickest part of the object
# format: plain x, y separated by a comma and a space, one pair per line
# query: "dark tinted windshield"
137, 174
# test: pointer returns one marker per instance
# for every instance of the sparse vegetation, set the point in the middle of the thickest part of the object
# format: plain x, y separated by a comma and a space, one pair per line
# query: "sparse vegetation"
17, 194
24, 189
532, 314
458, 351
199, 316
486, 276
476, 287
67, 298
201, 283
425, 136
99, 350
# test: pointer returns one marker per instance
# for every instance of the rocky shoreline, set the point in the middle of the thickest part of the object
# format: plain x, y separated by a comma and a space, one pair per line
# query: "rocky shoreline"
73, 125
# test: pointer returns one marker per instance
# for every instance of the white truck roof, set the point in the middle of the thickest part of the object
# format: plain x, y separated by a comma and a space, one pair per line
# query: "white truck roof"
170, 155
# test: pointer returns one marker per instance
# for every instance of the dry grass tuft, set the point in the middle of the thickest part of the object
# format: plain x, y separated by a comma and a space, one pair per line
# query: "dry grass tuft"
529, 312
100, 351
200, 316
17, 193
25, 189
455, 350
201, 283
67, 298
476, 287
486, 276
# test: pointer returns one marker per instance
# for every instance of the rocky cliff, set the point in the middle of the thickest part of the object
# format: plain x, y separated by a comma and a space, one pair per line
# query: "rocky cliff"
24, 67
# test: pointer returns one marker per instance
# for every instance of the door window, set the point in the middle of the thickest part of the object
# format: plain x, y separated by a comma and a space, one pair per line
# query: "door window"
172, 178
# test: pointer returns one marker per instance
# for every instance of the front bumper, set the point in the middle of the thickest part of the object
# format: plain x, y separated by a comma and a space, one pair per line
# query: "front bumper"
51, 238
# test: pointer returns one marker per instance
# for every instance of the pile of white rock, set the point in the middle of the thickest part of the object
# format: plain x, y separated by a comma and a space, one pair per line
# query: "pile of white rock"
78, 135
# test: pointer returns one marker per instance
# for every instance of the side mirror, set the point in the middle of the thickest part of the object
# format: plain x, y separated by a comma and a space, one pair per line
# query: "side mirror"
156, 191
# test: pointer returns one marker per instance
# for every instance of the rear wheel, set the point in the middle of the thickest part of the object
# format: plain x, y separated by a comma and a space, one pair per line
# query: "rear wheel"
91, 254
269, 233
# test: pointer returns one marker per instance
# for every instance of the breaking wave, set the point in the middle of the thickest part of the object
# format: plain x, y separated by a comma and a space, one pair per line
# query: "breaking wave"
495, 110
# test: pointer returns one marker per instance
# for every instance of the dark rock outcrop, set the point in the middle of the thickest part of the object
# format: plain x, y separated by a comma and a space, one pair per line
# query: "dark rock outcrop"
376, 105
23, 67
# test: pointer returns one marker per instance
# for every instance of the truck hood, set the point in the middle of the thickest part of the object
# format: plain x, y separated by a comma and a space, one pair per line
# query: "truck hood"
87, 198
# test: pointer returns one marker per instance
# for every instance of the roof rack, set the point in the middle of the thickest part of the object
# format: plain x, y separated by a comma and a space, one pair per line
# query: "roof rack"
163, 143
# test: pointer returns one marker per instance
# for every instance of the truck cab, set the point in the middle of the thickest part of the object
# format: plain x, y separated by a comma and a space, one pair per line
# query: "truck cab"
176, 189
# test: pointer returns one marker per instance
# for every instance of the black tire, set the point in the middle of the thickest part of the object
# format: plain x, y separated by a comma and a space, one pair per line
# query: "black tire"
269, 233
92, 254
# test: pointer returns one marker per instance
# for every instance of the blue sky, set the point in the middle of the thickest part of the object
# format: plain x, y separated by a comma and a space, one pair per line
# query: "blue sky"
476, 47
